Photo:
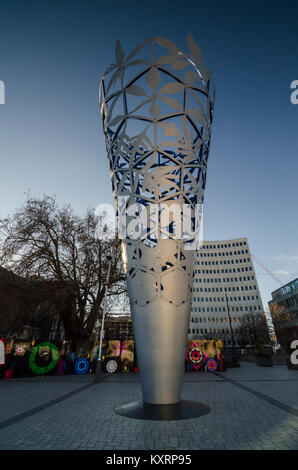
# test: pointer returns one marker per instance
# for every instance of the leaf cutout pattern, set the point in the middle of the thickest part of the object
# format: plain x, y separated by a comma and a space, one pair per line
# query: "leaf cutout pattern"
190, 77
138, 62
155, 110
170, 130
160, 177
172, 103
180, 65
119, 53
172, 87
167, 159
137, 49
166, 59
136, 90
197, 55
153, 78
167, 44
113, 79
199, 116
167, 143
110, 69
195, 50
113, 105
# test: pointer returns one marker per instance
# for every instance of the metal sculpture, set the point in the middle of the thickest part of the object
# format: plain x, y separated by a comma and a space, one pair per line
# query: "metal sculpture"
157, 116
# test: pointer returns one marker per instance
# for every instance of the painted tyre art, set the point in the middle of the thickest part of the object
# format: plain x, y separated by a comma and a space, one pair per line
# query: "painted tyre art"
211, 365
195, 356
111, 366
19, 350
82, 366
40, 370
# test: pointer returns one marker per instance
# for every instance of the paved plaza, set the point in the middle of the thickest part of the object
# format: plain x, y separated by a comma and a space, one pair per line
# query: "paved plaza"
251, 408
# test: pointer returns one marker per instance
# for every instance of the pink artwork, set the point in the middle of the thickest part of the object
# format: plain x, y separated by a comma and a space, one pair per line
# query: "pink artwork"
194, 355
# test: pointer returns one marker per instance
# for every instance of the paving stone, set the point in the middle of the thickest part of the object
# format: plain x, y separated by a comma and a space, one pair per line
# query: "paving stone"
239, 419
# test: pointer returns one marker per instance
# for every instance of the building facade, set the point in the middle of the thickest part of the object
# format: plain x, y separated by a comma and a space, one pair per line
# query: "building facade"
118, 327
225, 284
27, 310
284, 312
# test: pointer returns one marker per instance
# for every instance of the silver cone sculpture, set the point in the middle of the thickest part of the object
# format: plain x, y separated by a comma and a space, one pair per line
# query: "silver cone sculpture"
157, 114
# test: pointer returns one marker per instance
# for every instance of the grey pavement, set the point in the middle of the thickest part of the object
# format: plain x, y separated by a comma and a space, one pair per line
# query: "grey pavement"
251, 408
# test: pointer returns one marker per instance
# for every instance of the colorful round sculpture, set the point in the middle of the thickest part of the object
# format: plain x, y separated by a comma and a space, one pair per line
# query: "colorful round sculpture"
111, 366
45, 369
19, 350
211, 365
82, 366
195, 355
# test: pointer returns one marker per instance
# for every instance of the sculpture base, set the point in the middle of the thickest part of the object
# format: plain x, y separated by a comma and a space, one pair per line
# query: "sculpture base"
182, 410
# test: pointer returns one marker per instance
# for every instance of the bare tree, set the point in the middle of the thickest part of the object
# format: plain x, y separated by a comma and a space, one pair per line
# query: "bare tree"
43, 242
253, 329
283, 325
280, 316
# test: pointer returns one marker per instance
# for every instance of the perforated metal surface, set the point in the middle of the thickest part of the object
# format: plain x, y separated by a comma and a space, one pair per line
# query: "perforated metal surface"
157, 107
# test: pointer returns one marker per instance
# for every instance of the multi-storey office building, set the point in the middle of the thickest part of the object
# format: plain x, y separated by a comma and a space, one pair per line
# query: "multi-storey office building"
118, 327
224, 279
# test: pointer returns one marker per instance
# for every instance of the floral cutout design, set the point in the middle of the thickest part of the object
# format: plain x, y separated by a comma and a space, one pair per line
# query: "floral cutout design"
157, 108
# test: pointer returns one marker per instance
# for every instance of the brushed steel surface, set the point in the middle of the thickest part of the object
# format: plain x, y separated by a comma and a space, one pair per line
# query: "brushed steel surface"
161, 326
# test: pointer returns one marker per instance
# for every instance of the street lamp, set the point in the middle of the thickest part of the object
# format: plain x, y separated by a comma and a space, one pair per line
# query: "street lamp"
234, 358
106, 284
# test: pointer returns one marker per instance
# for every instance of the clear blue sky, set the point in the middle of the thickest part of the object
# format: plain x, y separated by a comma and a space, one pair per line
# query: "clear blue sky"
52, 56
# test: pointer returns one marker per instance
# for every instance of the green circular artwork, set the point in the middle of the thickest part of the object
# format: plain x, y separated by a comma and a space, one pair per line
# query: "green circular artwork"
45, 369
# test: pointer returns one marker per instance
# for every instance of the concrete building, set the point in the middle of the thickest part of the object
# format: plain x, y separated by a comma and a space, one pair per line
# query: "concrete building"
118, 327
224, 278
27, 310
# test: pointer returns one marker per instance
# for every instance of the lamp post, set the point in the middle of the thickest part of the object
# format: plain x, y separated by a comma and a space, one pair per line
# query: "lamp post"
98, 363
234, 357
